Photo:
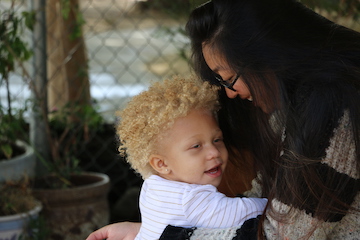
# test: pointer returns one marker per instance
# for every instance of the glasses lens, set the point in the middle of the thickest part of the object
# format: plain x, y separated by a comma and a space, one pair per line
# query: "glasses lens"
219, 79
226, 83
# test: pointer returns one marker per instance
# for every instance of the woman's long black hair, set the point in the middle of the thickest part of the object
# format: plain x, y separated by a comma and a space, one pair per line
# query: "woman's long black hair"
306, 69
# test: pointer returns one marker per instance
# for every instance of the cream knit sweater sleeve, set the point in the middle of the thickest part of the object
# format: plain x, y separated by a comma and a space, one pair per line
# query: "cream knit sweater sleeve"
341, 157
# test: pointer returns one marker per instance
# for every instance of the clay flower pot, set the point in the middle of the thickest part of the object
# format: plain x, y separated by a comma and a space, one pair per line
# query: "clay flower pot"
73, 213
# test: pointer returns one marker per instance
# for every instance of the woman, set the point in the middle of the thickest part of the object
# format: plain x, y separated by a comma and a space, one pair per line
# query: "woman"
290, 95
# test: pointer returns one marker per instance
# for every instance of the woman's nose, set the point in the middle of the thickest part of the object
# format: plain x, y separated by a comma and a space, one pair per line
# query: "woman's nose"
230, 93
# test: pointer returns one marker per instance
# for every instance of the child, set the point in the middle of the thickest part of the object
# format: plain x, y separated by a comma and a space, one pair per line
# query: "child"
170, 135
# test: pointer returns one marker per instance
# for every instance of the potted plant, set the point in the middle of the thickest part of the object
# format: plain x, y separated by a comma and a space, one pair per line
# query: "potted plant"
17, 158
74, 202
74, 198
66, 128
18, 208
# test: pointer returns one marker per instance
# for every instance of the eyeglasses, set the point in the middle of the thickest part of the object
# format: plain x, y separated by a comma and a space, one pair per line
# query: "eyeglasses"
227, 83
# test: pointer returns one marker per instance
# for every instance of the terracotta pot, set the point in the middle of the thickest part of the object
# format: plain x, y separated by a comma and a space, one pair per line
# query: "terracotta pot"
13, 226
74, 213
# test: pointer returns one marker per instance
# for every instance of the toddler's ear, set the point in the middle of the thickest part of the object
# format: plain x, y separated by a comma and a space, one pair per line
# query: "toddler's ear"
158, 164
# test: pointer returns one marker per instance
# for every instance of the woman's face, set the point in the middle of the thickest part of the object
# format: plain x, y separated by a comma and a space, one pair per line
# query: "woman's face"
216, 62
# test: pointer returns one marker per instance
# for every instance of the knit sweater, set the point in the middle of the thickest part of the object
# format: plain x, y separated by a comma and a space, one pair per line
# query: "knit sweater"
340, 157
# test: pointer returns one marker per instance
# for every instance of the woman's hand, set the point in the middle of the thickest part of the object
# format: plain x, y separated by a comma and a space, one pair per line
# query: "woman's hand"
116, 231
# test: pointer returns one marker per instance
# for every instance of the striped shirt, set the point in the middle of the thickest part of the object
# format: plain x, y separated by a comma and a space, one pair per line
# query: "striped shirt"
163, 202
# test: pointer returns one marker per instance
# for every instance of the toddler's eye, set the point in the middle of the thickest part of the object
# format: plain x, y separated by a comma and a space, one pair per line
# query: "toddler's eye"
218, 140
196, 146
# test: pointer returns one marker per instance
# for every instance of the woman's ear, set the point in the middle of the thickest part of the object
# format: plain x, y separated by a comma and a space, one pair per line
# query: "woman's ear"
158, 164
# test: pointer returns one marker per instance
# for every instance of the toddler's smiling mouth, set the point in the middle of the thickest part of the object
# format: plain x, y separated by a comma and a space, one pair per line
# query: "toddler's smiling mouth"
214, 172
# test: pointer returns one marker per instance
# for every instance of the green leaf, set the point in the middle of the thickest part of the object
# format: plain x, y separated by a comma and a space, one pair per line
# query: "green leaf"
30, 19
7, 150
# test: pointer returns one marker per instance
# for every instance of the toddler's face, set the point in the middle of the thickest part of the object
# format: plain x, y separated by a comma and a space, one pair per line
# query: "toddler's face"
194, 150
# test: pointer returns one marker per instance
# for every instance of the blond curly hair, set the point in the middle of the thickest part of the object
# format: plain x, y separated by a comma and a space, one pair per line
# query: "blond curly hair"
154, 111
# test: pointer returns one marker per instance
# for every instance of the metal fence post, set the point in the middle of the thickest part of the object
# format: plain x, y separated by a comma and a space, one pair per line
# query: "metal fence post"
37, 122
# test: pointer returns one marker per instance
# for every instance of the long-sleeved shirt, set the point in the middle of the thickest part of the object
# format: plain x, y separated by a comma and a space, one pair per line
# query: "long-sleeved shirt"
163, 202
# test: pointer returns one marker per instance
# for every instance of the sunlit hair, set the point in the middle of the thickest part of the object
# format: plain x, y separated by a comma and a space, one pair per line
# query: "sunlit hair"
154, 111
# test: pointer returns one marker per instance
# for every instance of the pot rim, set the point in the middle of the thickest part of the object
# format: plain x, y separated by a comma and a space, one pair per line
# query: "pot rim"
28, 151
104, 180
31, 212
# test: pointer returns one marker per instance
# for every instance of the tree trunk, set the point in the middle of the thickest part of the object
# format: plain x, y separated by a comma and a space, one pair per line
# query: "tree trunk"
68, 84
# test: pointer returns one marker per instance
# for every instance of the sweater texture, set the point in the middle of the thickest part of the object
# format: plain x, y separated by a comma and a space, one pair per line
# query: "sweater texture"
340, 157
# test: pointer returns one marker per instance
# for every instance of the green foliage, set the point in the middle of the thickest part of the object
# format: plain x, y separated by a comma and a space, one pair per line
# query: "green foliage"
6, 150
12, 127
12, 47
36, 230
344, 12
77, 29
66, 130
178, 8
341, 7
77, 25
68, 134
65, 10
85, 116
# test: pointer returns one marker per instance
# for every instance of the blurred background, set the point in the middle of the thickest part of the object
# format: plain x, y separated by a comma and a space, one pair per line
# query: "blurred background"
100, 53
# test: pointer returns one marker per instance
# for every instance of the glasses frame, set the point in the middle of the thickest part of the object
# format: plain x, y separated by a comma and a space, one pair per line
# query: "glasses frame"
228, 83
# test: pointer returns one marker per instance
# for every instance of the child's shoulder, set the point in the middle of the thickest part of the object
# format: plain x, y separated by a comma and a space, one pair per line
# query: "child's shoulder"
160, 182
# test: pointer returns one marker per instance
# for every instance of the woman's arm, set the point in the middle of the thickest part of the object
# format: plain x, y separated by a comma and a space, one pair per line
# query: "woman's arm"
116, 231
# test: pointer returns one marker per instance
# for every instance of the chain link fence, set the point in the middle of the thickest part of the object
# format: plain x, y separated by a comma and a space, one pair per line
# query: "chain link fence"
128, 47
